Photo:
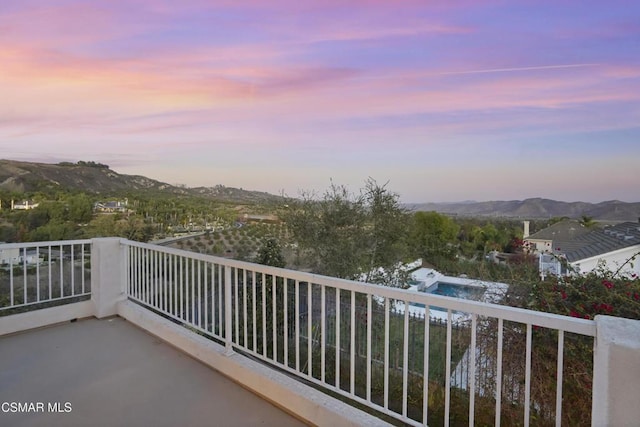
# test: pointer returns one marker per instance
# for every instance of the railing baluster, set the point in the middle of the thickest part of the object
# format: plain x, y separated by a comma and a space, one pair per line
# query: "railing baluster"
170, 284
61, 258
220, 298
73, 275
228, 319
323, 319
274, 321
447, 382
285, 332
181, 286
527, 379
369, 345
386, 353
425, 377
236, 311
499, 374
156, 278
11, 300
244, 309
338, 343
50, 275
38, 274
352, 375
165, 280
200, 294
207, 290
264, 315
82, 267
254, 316
309, 328
472, 370
559, 375
405, 359
192, 296
297, 327
24, 275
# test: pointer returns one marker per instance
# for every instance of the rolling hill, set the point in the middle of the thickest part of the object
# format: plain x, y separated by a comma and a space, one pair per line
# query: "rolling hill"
537, 208
97, 178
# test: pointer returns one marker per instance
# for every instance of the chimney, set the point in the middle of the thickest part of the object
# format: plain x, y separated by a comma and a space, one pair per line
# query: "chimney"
526, 230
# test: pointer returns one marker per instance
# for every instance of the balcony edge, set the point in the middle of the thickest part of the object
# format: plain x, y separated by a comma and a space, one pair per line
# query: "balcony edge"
45, 317
294, 397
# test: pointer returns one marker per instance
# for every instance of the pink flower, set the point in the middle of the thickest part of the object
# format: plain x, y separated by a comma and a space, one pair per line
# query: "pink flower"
607, 284
563, 294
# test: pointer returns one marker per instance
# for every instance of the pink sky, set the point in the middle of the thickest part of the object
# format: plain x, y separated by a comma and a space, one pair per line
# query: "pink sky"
446, 101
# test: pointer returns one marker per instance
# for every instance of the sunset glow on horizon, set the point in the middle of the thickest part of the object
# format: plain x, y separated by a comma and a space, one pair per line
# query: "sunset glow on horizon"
445, 101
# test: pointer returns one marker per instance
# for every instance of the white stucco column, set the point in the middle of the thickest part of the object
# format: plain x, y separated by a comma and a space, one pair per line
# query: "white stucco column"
616, 372
107, 275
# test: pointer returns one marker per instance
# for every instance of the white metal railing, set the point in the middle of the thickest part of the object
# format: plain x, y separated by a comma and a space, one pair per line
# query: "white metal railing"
350, 338
43, 272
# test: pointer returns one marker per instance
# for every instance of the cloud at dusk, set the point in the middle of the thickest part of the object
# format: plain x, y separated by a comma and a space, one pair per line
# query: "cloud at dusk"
477, 100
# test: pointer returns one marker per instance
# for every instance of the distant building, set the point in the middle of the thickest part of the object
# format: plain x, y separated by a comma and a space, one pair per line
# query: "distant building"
111, 207
249, 218
24, 205
17, 256
568, 247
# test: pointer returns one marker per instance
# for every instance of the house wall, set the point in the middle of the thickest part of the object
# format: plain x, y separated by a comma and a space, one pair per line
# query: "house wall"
537, 246
7, 255
612, 261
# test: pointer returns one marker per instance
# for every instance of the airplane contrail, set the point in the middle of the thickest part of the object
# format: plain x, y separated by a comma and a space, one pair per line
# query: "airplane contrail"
508, 70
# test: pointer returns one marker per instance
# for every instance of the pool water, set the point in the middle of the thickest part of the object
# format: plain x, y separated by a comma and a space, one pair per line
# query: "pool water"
473, 293
458, 291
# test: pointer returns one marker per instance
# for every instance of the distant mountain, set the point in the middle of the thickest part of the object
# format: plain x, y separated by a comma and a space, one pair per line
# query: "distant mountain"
97, 178
537, 208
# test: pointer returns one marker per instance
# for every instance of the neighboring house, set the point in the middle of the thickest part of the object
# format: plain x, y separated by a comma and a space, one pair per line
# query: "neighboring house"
249, 218
9, 255
567, 247
111, 207
24, 205
16, 256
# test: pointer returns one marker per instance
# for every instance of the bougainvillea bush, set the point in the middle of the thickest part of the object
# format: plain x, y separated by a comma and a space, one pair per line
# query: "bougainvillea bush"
586, 296
601, 292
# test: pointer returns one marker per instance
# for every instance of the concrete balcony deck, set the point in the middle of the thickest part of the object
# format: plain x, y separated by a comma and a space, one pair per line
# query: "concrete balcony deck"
113, 373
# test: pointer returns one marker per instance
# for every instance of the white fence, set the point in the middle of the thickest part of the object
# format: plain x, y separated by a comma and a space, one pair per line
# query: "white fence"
410, 369
499, 365
44, 272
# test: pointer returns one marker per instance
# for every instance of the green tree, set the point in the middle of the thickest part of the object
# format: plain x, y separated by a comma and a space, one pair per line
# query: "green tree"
349, 235
433, 235
270, 253
80, 209
587, 221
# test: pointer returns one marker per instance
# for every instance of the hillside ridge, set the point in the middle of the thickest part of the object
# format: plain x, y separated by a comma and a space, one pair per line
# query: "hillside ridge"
537, 208
96, 178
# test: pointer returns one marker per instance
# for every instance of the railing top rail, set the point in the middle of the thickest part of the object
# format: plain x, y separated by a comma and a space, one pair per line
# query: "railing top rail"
41, 244
546, 320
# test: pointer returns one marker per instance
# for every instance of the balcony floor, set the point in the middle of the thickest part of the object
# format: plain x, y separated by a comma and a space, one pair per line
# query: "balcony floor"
114, 374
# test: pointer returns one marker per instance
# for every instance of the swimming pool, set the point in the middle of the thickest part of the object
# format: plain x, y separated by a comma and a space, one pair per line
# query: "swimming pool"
474, 293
